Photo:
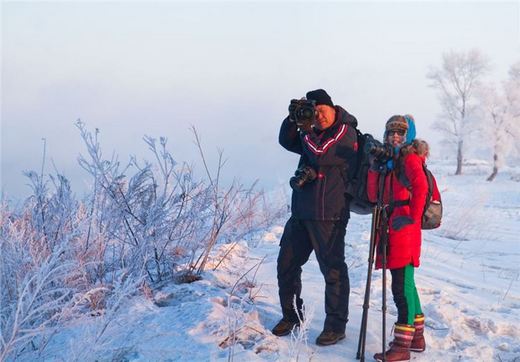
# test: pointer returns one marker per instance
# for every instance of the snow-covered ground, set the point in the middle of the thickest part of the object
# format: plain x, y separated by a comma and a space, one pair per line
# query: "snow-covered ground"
469, 283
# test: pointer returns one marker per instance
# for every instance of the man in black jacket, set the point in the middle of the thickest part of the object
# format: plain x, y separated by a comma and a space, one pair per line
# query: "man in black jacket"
320, 212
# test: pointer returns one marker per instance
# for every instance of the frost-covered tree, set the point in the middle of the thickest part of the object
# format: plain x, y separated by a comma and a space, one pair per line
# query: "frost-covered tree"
512, 92
514, 72
456, 81
496, 125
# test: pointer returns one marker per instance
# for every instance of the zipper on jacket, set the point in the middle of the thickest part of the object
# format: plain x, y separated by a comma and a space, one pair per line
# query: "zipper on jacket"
324, 184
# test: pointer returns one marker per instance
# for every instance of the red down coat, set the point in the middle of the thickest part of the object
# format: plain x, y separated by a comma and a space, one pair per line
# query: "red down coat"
404, 245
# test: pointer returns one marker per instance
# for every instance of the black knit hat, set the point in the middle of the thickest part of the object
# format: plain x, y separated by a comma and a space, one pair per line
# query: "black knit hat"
320, 96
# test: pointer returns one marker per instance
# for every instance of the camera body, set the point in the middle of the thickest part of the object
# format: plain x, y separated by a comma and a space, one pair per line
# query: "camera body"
381, 152
302, 176
302, 111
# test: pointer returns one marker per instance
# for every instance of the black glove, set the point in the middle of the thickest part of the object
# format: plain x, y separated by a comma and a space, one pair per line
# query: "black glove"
376, 164
292, 110
401, 221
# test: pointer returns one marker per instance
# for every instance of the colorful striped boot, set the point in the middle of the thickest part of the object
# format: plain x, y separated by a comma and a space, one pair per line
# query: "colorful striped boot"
400, 347
418, 343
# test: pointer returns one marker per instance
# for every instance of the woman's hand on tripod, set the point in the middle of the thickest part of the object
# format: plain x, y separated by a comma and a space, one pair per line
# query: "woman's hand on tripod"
401, 221
376, 165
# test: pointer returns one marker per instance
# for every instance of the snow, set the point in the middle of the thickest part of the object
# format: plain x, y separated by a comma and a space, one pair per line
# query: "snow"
469, 284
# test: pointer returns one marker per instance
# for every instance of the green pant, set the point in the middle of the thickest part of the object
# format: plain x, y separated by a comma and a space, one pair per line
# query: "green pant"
405, 295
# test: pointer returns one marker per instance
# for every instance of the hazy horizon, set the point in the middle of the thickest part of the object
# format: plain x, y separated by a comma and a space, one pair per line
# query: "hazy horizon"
229, 69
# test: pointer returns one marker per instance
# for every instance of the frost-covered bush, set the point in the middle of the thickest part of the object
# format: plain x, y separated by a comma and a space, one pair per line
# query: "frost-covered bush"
143, 223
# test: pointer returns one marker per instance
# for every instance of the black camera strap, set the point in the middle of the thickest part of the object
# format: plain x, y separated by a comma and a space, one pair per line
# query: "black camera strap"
398, 203
391, 203
395, 203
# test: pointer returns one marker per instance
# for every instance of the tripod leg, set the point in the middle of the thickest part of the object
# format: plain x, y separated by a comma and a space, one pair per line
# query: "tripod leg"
363, 328
383, 309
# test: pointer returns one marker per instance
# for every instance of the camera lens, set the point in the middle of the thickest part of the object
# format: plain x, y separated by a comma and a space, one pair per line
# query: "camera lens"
307, 113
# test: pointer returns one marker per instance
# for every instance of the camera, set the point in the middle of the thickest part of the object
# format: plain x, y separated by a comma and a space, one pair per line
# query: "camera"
381, 152
302, 176
302, 111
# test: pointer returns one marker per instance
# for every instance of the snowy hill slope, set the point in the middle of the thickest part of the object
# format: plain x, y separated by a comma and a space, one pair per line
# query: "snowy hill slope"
469, 283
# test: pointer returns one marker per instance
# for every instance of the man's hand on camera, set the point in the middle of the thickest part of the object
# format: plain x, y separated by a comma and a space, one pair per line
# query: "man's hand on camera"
292, 110
376, 164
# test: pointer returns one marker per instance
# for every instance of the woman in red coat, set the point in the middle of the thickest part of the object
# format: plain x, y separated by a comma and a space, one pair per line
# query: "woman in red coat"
405, 192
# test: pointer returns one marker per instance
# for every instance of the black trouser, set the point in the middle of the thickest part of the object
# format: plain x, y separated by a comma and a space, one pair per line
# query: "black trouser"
405, 294
327, 239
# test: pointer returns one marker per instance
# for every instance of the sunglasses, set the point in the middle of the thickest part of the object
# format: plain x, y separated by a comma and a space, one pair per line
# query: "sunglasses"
400, 132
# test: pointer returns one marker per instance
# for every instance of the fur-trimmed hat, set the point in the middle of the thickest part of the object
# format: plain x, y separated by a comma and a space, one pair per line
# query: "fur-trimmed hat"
396, 122
320, 96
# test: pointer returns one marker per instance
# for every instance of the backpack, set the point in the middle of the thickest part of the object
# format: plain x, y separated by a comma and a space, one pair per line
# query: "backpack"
432, 214
357, 188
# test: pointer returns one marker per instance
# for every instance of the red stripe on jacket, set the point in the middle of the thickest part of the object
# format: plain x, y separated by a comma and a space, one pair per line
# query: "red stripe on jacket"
319, 150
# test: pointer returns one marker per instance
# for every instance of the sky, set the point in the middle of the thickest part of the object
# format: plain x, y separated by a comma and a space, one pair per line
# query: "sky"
227, 68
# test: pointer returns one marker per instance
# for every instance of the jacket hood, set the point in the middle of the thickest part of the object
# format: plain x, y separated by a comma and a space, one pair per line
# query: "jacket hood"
418, 146
344, 117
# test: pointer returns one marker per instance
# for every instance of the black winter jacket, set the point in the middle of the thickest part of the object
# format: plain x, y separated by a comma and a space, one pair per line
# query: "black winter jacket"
332, 153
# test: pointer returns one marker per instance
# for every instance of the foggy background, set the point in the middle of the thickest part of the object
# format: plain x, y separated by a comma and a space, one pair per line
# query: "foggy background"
227, 68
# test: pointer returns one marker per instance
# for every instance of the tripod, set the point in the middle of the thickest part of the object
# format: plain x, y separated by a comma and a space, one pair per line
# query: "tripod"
379, 228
